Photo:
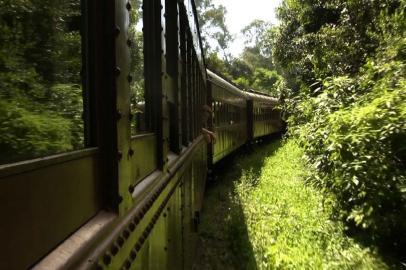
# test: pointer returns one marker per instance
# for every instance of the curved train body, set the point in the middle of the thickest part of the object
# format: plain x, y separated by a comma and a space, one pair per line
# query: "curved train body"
128, 193
230, 120
239, 116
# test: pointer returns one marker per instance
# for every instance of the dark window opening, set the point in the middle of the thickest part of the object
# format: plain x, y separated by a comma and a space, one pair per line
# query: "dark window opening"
137, 84
41, 92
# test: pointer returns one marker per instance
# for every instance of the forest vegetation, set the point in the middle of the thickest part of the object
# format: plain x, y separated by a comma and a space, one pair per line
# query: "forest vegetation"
337, 66
339, 70
260, 213
41, 103
43, 77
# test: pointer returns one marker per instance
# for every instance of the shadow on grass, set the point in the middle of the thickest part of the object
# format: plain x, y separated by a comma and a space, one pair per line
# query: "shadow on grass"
223, 237
390, 249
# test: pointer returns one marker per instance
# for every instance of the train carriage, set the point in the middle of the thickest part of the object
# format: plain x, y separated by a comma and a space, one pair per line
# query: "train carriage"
230, 116
266, 116
128, 197
239, 116
107, 166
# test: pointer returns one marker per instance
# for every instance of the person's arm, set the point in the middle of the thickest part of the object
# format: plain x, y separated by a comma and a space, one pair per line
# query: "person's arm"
209, 135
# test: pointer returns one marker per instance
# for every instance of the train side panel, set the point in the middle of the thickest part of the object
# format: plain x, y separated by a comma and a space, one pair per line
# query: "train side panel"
266, 120
266, 117
229, 121
131, 198
160, 231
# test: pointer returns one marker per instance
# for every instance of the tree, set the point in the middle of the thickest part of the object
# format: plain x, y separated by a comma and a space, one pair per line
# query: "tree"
215, 34
343, 64
254, 68
40, 83
316, 39
257, 42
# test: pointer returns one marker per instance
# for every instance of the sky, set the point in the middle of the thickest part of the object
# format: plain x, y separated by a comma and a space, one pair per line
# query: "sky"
241, 12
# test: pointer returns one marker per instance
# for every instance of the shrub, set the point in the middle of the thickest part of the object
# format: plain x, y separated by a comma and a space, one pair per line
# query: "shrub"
355, 137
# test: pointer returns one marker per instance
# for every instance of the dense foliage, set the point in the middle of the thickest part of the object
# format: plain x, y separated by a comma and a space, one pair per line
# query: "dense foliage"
137, 85
261, 214
297, 231
253, 69
215, 35
343, 62
40, 86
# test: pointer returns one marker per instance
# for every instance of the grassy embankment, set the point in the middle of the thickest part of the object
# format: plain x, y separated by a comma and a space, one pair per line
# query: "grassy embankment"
260, 214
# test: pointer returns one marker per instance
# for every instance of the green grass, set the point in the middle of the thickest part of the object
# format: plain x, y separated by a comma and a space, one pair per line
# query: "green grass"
260, 214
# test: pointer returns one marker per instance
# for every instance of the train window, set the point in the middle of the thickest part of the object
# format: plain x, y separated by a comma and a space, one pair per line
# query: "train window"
228, 114
189, 85
222, 113
172, 57
183, 85
41, 93
213, 107
274, 114
216, 113
219, 113
260, 114
225, 114
137, 85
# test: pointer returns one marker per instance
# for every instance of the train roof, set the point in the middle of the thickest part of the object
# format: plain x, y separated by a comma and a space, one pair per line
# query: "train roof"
258, 96
254, 95
214, 78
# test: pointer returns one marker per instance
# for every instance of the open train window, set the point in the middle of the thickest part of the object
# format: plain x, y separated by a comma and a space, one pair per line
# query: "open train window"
189, 103
41, 90
260, 114
183, 69
138, 103
46, 115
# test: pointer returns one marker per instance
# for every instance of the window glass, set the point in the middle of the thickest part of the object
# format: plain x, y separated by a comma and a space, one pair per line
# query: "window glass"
214, 109
41, 106
137, 85
183, 86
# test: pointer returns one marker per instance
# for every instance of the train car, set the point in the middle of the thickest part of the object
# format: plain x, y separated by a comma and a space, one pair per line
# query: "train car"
264, 115
103, 165
102, 159
239, 116
229, 106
